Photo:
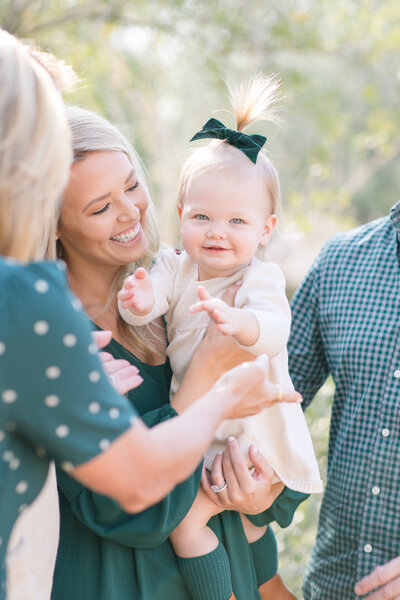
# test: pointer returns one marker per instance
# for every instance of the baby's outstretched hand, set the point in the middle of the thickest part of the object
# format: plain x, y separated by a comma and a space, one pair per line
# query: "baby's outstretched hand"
225, 316
137, 293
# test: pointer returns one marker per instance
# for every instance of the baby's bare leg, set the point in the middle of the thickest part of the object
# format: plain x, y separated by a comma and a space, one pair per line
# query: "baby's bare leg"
192, 537
252, 532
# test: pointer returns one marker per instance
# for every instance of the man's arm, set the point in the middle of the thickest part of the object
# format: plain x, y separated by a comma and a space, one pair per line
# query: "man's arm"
308, 365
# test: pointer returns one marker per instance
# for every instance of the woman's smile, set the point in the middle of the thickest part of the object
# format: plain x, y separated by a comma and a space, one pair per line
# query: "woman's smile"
128, 235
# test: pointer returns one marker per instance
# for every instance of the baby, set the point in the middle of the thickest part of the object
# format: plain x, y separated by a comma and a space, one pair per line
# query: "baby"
228, 199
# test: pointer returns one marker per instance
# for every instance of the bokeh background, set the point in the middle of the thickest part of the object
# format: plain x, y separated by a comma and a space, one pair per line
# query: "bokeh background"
159, 70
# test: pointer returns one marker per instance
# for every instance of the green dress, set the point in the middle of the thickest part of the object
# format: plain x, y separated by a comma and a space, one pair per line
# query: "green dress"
50, 380
106, 554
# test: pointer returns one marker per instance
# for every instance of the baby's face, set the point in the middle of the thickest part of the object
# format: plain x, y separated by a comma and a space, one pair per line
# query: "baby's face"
224, 219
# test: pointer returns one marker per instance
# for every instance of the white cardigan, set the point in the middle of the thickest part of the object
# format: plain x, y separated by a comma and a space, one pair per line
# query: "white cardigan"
280, 432
32, 547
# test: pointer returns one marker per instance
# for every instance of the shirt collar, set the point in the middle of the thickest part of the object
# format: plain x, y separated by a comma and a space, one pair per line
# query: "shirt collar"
395, 217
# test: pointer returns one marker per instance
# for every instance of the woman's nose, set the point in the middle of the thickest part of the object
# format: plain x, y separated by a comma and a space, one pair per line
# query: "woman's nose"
129, 210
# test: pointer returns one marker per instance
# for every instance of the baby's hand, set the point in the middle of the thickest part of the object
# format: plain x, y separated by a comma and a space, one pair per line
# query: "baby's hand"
137, 293
226, 317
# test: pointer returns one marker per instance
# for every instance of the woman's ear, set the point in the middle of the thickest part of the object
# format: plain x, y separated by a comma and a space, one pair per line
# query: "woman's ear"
269, 226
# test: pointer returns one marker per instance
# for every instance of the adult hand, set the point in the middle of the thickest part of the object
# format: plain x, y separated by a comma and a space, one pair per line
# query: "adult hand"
386, 580
122, 375
249, 389
246, 492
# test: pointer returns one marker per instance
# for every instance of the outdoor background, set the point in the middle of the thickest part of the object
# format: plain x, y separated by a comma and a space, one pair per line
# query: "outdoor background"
158, 70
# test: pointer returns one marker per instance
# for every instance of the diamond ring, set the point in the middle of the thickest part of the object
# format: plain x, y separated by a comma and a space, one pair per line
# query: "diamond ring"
219, 488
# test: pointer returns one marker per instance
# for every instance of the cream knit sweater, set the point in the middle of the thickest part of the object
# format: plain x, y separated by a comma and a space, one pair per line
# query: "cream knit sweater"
280, 432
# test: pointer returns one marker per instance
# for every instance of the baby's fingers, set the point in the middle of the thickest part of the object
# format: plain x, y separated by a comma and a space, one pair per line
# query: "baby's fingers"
124, 294
140, 273
202, 293
208, 305
129, 282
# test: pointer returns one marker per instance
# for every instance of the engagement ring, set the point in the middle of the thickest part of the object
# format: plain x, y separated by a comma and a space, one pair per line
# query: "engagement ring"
219, 488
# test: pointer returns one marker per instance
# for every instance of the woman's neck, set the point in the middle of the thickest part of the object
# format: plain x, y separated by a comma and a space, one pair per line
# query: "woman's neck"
92, 285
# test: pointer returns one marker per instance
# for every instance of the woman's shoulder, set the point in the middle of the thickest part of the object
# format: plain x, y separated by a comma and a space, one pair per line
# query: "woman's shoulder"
37, 275
34, 293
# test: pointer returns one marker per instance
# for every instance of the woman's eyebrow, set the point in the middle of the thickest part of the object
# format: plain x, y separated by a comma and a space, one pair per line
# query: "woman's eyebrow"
129, 176
104, 196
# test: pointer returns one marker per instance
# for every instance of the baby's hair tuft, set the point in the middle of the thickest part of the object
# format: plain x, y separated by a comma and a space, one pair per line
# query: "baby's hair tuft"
255, 99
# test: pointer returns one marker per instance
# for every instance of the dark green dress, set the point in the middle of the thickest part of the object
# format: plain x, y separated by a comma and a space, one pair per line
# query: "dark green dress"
106, 554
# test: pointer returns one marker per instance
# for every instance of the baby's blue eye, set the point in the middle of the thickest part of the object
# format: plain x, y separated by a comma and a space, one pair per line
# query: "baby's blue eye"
237, 221
201, 217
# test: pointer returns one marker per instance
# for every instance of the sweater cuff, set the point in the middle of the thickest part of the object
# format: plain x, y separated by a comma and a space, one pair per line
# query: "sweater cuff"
272, 339
135, 320
265, 557
208, 577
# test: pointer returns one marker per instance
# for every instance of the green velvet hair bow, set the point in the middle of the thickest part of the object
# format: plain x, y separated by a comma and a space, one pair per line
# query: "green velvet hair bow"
249, 144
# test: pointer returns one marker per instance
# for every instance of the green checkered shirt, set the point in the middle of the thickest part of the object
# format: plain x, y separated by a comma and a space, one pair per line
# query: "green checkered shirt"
346, 322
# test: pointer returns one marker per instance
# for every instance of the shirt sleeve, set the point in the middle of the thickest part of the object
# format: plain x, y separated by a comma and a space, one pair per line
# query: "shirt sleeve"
308, 364
162, 278
147, 529
263, 293
59, 397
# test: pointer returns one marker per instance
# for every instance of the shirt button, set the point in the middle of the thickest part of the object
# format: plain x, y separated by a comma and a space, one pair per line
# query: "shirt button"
367, 548
396, 373
385, 432
376, 490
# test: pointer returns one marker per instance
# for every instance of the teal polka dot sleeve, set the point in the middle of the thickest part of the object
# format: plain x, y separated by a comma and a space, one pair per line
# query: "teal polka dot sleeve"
54, 391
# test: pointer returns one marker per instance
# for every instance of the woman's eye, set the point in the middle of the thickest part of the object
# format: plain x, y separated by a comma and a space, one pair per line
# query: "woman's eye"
237, 221
134, 186
106, 207
201, 217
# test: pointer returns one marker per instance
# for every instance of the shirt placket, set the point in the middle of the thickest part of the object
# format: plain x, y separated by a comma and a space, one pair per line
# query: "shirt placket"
378, 486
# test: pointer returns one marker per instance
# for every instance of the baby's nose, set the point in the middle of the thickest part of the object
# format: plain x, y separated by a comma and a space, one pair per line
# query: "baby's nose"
216, 233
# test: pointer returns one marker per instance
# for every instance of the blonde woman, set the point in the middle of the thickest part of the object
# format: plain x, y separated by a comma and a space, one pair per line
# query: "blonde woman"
55, 398
106, 229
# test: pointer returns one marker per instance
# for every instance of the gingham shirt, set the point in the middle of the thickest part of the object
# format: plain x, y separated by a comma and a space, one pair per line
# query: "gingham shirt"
346, 322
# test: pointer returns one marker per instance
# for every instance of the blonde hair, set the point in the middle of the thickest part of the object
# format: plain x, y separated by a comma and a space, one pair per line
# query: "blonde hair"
92, 133
254, 100
63, 75
35, 153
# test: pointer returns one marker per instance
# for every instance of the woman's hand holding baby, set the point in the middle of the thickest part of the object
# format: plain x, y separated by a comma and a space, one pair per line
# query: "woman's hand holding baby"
137, 293
247, 492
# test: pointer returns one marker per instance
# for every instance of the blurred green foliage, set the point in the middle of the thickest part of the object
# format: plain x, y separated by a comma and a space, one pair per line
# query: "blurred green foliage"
158, 70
